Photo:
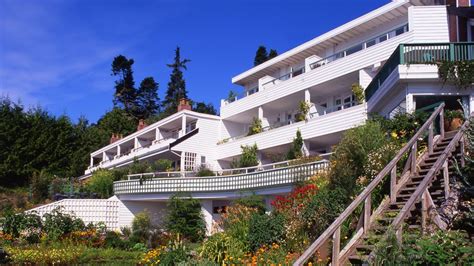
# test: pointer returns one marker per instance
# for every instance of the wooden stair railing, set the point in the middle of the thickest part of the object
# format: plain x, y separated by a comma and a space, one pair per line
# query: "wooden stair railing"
422, 189
368, 216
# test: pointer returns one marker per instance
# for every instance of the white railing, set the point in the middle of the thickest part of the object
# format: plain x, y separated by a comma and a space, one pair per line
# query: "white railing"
250, 180
89, 210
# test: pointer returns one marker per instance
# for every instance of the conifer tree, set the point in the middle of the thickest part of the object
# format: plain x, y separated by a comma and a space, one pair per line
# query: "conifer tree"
125, 92
260, 56
147, 98
273, 53
177, 85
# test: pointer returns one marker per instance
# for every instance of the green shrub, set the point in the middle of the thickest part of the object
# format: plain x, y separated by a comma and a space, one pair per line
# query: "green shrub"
351, 155
114, 240
295, 150
175, 253
324, 207
303, 109
162, 165
256, 127
253, 201
138, 167
358, 92
102, 183
14, 224
215, 247
204, 171
141, 227
185, 218
40, 182
249, 156
266, 230
57, 224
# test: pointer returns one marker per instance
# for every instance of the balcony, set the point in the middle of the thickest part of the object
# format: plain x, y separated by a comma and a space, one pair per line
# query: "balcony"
427, 54
310, 64
272, 178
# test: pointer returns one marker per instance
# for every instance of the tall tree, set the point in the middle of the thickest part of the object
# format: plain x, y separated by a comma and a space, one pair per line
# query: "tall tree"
125, 92
177, 85
202, 107
147, 98
273, 53
260, 56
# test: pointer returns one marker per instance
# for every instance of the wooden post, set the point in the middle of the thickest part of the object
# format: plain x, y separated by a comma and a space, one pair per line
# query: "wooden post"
430, 139
393, 184
446, 179
424, 210
336, 243
367, 212
441, 123
463, 163
398, 235
413, 157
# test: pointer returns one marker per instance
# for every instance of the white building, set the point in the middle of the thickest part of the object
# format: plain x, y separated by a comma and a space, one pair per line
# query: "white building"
389, 52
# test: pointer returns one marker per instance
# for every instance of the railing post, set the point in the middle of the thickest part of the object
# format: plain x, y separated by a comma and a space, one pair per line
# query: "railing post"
336, 242
446, 179
424, 210
413, 156
430, 139
463, 163
393, 184
402, 54
367, 212
451, 52
441, 123
398, 235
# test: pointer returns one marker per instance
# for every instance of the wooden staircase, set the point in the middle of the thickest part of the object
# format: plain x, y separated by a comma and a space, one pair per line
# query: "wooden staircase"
415, 191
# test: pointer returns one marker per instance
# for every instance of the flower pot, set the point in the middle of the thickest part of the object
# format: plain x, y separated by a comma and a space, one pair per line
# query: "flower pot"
453, 124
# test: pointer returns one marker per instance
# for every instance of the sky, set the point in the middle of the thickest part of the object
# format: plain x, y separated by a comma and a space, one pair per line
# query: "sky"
58, 53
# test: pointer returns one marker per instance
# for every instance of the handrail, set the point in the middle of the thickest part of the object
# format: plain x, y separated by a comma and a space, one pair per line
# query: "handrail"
423, 186
420, 53
231, 170
390, 168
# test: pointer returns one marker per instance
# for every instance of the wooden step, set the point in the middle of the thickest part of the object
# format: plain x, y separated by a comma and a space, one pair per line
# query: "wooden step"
358, 259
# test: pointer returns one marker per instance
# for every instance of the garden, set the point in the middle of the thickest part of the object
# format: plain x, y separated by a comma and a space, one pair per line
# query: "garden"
248, 233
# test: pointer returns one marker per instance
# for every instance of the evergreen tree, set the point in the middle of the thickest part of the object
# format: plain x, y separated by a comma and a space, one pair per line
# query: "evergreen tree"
185, 217
204, 108
147, 98
295, 151
125, 92
273, 53
177, 85
260, 56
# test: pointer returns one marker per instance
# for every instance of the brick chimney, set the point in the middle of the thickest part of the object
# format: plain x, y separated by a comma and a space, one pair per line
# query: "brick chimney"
141, 124
184, 104
113, 138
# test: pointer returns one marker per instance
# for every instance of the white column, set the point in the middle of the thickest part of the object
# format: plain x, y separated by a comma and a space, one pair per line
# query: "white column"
206, 209
183, 125
260, 113
307, 96
104, 156
365, 77
259, 158
305, 148
118, 150
92, 161
157, 134
410, 103
181, 163
136, 144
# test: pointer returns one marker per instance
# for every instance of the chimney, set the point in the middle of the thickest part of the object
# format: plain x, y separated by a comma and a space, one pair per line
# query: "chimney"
141, 124
184, 104
113, 138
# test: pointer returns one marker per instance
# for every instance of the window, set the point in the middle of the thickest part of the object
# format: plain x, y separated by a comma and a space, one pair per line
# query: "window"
189, 161
370, 43
338, 104
399, 31
297, 72
354, 49
252, 91
203, 159
382, 38
349, 101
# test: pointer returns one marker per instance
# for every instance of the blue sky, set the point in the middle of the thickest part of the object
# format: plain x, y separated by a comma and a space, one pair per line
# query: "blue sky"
57, 53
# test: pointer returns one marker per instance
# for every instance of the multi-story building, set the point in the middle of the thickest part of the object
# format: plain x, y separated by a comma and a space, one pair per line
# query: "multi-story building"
391, 52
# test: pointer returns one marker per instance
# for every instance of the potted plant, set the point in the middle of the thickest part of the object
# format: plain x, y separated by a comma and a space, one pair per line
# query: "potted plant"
255, 127
453, 119
303, 110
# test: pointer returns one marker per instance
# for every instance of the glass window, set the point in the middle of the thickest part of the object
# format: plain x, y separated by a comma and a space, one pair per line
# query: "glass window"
382, 38
297, 72
354, 49
399, 31
370, 43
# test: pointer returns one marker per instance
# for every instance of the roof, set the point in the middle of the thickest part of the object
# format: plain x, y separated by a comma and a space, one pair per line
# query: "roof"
353, 28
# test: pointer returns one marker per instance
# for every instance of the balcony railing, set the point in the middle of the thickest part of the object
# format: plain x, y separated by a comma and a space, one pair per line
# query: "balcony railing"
336, 56
254, 180
427, 53
312, 115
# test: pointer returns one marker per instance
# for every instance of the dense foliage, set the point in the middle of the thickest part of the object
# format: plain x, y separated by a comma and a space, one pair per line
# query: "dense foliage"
185, 218
261, 55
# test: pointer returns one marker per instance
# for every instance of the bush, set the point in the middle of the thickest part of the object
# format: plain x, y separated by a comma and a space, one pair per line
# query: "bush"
114, 240
141, 227
162, 165
204, 171
14, 224
44, 255
266, 230
295, 150
351, 155
40, 186
102, 183
255, 127
215, 247
185, 218
253, 201
248, 157
57, 224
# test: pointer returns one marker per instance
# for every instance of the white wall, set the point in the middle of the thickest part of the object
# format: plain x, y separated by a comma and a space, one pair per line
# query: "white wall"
128, 210
428, 23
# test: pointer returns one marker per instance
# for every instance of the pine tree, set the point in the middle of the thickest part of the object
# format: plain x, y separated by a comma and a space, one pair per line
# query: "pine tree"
273, 53
147, 98
125, 92
177, 85
202, 107
295, 150
260, 56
